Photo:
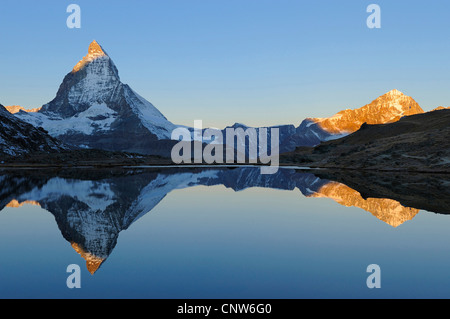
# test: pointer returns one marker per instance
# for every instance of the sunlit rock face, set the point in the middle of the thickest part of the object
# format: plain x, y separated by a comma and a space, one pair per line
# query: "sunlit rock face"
386, 210
93, 262
388, 108
441, 108
95, 51
15, 203
13, 109
94, 109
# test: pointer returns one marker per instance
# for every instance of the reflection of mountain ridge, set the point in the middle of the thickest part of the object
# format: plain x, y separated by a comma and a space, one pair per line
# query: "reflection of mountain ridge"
430, 192
91, 213
387, 210
92, 208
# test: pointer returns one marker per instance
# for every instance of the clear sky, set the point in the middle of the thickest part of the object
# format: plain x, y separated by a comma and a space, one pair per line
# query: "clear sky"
258, 62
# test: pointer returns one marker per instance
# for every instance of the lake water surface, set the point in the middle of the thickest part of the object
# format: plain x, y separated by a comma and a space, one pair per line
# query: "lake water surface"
216, 233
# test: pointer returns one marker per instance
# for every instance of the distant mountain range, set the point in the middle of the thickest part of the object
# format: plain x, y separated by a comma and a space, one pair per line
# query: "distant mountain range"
93, 109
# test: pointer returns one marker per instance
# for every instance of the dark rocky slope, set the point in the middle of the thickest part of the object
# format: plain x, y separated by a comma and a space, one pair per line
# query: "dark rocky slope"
18, 137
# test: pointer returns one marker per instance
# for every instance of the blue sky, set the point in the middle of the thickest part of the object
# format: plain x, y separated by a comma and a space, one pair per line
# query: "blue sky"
258, 62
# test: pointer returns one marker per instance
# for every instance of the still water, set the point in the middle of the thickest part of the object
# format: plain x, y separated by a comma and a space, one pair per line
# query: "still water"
215, 233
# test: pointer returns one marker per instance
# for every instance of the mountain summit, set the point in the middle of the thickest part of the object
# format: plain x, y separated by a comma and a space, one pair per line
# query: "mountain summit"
94, 109
387, 108
95, 51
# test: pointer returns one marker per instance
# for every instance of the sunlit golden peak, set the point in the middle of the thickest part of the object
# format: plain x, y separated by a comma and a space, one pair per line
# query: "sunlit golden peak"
15, 203
436, 109
13, 109
93, 262
394, 92
95, 51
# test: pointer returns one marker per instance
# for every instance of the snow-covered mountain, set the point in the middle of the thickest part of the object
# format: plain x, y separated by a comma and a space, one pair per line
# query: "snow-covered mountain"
18, 137
94, 109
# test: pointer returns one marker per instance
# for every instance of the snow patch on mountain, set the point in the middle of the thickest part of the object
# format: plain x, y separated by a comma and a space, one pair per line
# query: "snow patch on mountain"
98, 117
97, 195
99, 84
150, 116
157, 189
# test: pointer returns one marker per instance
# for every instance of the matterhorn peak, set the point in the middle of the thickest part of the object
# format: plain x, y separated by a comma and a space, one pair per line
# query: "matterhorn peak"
94, 109
95, 51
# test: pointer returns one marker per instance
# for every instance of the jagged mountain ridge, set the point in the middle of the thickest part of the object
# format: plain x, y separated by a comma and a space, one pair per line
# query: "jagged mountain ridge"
387, 108
13, 109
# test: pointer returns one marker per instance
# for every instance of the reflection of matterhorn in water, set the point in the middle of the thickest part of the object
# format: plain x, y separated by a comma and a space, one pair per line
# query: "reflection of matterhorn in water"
91, 212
